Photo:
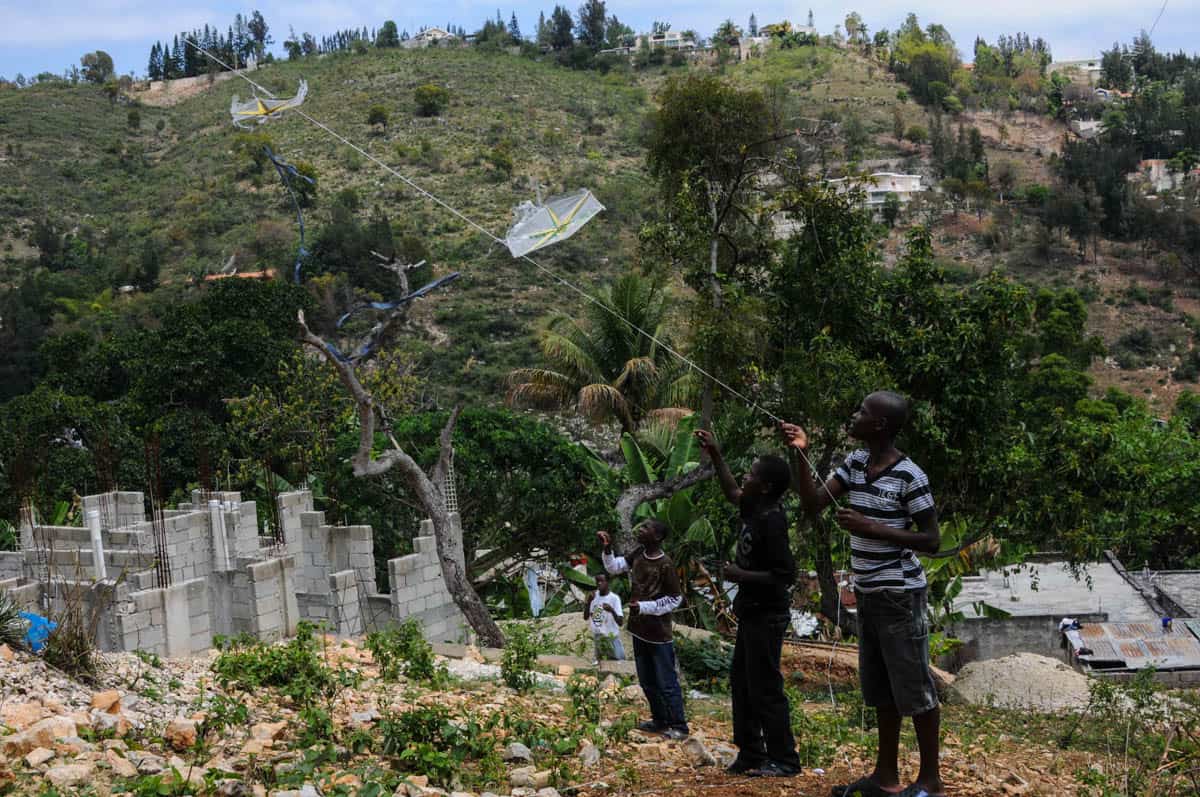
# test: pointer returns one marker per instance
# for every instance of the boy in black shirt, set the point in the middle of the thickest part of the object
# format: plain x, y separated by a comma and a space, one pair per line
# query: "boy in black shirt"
764, 572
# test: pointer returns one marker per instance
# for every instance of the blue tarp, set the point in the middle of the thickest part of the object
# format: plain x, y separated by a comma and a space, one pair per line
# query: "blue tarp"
39, 629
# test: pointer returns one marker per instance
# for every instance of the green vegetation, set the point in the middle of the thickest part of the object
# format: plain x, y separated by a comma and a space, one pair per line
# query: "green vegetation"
520, 657
403, 651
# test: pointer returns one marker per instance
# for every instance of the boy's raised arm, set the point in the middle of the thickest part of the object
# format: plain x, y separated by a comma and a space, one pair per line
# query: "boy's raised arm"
615, 565
815, 498
729, 485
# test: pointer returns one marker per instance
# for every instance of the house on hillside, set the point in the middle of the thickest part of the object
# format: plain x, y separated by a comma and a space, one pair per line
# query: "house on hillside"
1155, 176
668, 40
430, 37
1084, 70
880, 184
1087, 129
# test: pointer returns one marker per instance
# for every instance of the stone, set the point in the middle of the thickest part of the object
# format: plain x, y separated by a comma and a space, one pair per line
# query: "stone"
194, 774
114, 744
120, 765
542, 779
180, 733
632, 692
116, 724
547, 792
233, 788
43, 733
651, 752
307, 790
69, 774
147, 763
697, 754
253, 747
38, 756
611, 685
268, 731
20, 716
521, 776
725, 754
6, 653
589, 755
73, 745
565, 670
364, 719
471, 653
461, 794
516, 751
108, 701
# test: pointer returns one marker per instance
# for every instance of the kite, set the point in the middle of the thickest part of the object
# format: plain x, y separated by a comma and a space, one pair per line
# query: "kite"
286, 172
258, 110
557, 219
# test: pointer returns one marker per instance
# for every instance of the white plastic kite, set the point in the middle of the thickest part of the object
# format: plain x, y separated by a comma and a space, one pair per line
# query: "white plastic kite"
258, 110
557, 219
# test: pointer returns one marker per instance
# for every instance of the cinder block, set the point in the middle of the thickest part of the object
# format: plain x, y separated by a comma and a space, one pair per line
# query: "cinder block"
404, 565
425, 544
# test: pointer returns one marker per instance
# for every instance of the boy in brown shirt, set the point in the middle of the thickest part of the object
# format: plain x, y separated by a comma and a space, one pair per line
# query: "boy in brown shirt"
654, 594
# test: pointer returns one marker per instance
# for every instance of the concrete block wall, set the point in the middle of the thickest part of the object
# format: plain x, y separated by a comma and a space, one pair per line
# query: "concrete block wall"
347, 617
416, 589
274, 608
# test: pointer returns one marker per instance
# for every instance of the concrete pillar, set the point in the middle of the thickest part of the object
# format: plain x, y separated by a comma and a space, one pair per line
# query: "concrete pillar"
220, 543
93, 522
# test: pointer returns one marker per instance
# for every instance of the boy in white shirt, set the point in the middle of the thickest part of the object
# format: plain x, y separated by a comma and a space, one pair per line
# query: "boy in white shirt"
603, 609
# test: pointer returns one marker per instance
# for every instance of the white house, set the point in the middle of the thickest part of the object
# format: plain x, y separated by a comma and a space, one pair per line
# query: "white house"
670, 40
429, 38
1084, 69
880, 184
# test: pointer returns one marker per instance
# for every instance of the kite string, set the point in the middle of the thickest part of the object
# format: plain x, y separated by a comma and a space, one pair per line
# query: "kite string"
751, 403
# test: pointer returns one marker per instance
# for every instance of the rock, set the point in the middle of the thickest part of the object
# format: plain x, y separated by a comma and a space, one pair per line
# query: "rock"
547, 792
7, 776
43, 733
81, 719
364, 719
521, 776
522, 791
589, 755
307, 790
254, 747
652, 751
109, 701
632, 692
268, 731
193, 773
611, 685
461, 794
20, 716
114, 744
147, 763
38, 756
697, 754
73, 745
725, 754
6, 653
120, 765
116, 724
565, 670
542, 779
518, 752
233, 788
180, 733
69, 774
471, 653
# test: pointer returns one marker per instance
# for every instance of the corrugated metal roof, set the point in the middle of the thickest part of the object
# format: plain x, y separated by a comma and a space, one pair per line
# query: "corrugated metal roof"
1137, 645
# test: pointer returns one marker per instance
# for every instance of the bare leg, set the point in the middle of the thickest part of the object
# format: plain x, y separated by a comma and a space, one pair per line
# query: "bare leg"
928, 727
887, 768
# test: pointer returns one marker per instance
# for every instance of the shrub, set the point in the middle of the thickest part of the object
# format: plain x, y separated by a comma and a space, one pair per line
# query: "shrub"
705, 664
429, 741
12, 627
377, 115
404, 651
917, 134
297, 669
584, 692
431, 99
520, 655
1189, 369
71, 645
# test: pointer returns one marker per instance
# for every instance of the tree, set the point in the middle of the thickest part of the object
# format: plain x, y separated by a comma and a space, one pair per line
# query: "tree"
259, 34
514, 30
154, 67
543, 30
599, 365
707, 143
753, 26
891, 209
97, 67
378, 115
897, 124
727, 31
855, 30
591, 23
617, 33
431, 99
387, 35
562, 26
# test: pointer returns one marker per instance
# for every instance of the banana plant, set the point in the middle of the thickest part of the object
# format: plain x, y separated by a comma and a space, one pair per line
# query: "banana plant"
661, 451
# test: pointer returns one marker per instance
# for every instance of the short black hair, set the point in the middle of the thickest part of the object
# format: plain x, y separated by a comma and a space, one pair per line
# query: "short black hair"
775, 472
660, 528
893, 407
599, 576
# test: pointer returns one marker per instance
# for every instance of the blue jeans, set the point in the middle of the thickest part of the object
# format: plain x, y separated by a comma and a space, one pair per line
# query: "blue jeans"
603, 645
656, 674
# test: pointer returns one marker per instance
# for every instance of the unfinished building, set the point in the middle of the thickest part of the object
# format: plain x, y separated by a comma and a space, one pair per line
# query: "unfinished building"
169, 583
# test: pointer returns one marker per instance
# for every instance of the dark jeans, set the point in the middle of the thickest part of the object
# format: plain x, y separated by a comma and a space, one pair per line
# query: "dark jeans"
656, 674
893, 651
762, 721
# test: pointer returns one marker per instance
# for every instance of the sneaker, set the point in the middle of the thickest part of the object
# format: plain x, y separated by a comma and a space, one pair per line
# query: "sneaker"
676, 734
650, 726
773, 769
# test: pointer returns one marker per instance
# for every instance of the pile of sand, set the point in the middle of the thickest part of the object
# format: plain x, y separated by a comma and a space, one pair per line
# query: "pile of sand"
1022, 680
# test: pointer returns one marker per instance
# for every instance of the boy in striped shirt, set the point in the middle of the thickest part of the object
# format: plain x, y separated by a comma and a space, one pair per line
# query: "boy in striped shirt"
884, 495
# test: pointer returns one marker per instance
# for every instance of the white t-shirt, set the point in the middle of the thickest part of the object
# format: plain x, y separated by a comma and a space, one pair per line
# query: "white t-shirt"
603, 622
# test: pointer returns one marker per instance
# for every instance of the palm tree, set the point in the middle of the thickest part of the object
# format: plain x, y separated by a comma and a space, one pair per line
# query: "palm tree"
599, 365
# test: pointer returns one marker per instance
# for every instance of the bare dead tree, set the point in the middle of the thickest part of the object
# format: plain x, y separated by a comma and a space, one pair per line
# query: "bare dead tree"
427, 487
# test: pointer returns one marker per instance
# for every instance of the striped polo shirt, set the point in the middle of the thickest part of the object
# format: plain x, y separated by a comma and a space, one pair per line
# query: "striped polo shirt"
892, 498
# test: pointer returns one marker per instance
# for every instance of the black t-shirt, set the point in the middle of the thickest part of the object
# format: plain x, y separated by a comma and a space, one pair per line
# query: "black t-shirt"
763, 546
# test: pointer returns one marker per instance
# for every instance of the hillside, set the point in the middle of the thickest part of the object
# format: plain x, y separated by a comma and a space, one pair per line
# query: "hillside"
184, 188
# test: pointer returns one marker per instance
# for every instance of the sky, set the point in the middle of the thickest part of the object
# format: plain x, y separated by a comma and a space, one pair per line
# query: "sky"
52, 34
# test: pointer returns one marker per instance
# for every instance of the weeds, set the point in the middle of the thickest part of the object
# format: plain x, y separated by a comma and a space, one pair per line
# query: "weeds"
705, 664
430, 741
12, 627
584, 692
404, 651
520, 656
